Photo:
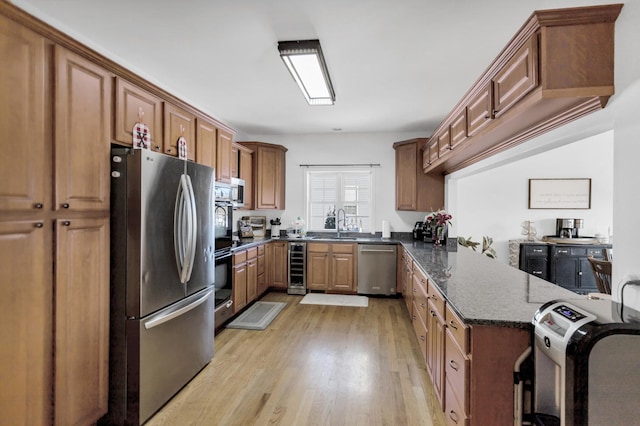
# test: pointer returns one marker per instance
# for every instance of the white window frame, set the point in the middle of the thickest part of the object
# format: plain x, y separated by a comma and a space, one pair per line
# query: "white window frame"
340, 172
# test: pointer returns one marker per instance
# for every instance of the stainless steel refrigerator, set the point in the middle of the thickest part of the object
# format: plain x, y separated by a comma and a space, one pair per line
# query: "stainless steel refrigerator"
162, 280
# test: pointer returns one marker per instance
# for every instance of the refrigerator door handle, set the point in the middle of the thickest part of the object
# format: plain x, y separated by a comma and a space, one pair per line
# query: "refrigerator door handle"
179, 236
168, 317
192, 228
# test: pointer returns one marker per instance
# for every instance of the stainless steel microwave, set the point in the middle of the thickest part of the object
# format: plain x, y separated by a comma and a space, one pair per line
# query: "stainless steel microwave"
237, 192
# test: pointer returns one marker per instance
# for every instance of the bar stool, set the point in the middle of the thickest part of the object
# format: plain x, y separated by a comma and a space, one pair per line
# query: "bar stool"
602, 272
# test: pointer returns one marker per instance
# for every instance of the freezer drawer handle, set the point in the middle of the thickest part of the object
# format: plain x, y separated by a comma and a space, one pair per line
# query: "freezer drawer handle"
161, 320
375, 251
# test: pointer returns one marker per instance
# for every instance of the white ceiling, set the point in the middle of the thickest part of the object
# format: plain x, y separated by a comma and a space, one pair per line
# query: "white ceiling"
396, 66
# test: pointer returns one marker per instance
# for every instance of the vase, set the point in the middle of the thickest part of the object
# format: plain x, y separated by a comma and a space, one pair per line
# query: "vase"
439, 234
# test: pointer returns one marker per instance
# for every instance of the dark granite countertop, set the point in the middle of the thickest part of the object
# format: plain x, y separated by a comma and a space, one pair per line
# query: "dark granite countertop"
482, 291
485, 291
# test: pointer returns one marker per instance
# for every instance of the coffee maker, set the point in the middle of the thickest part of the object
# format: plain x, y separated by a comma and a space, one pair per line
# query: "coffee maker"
418, 231
568, 228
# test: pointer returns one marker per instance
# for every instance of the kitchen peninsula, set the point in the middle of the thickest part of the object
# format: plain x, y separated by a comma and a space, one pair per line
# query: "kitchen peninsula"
472, 317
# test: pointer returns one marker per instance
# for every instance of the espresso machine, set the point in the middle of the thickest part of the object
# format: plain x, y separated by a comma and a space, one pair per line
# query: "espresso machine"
568, 228
586, 363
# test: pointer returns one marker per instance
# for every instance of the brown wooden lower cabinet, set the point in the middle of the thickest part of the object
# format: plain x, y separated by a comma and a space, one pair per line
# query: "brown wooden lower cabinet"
261, 275
332, 267
276, 259
239, 281
470, 366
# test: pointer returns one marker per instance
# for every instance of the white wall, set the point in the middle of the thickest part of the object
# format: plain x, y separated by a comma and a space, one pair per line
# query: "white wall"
343, 148
495, 202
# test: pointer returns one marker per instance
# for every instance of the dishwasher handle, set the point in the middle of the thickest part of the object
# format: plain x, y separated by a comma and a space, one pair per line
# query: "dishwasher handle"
376, 251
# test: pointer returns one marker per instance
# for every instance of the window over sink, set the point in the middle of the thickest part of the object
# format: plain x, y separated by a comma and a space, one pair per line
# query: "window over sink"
329, 190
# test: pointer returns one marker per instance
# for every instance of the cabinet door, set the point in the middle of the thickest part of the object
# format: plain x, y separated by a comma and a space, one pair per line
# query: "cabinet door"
178, 122
444, 142
223, 162
268, 178
81, 320
25, 179
435, 351
459, 129
245, 164
342, 273
235, 158
262, 276
206, 136
406, 178
479, 111
26, 313
239, 287
252, 280
131, 102
517, 78
537, 266
565, 272
82, 133
279, 264
317, 270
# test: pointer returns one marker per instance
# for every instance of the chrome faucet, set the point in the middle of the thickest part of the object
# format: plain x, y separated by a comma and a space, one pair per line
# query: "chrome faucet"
344, 220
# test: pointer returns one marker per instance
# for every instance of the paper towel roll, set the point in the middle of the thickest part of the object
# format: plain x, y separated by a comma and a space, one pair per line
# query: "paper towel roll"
386, 232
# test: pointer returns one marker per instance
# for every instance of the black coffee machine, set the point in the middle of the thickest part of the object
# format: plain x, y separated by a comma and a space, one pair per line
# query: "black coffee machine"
418, 231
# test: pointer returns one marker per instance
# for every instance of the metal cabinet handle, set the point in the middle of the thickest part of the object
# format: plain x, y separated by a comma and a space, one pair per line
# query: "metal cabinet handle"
433, 314
65, 206
39, 225
422, 338
495, 111
38, 205
66, 223
453, 325
453, 365
453, 416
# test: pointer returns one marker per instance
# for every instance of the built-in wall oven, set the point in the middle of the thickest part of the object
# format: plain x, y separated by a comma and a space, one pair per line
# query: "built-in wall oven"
223, 225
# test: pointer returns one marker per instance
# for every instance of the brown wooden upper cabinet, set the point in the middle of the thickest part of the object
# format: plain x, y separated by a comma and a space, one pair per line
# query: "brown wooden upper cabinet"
245, 171
534, 85
132, 105
268, 177
415, 190
206, 142
223, 150
82, 133
177, 123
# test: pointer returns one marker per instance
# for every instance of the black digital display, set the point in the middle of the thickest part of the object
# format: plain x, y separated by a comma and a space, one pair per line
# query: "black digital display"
569, 313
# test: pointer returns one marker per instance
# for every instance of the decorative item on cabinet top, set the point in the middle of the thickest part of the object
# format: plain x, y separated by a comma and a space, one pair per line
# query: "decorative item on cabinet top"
257, 224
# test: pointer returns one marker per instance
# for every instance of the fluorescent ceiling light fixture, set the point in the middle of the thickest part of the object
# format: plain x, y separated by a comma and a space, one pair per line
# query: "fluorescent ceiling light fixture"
307, 66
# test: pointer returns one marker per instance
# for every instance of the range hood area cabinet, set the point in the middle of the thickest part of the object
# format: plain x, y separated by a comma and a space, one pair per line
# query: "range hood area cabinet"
557, 68
415, 190
268, 175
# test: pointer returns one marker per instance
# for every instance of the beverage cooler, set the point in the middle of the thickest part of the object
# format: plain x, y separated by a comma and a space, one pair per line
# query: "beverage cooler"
297, 278
586, 364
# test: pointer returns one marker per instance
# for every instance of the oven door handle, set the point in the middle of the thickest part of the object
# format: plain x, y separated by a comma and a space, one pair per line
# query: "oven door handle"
171, 315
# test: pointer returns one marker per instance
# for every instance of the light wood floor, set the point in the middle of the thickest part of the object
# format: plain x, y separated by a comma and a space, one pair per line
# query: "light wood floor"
313, 365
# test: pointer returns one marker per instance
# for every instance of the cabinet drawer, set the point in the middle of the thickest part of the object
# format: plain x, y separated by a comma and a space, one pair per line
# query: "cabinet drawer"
596, 252
421, 332
453, 412
344, 248
420, 278
260, 250
457, 371
536, 250
239, 257
459, 330
420, 302
252, 253
318, 247
436, 299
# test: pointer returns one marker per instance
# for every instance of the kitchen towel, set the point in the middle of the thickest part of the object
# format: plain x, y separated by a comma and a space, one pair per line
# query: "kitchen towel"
386, 232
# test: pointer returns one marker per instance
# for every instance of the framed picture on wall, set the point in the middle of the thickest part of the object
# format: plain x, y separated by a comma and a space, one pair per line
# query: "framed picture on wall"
560, 193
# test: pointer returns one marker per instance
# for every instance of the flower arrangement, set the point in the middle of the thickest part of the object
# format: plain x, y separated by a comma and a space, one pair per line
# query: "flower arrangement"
438, 221
439, 218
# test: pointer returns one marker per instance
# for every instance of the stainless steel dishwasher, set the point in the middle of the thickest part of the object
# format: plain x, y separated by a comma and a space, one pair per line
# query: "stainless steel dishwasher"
377, 269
